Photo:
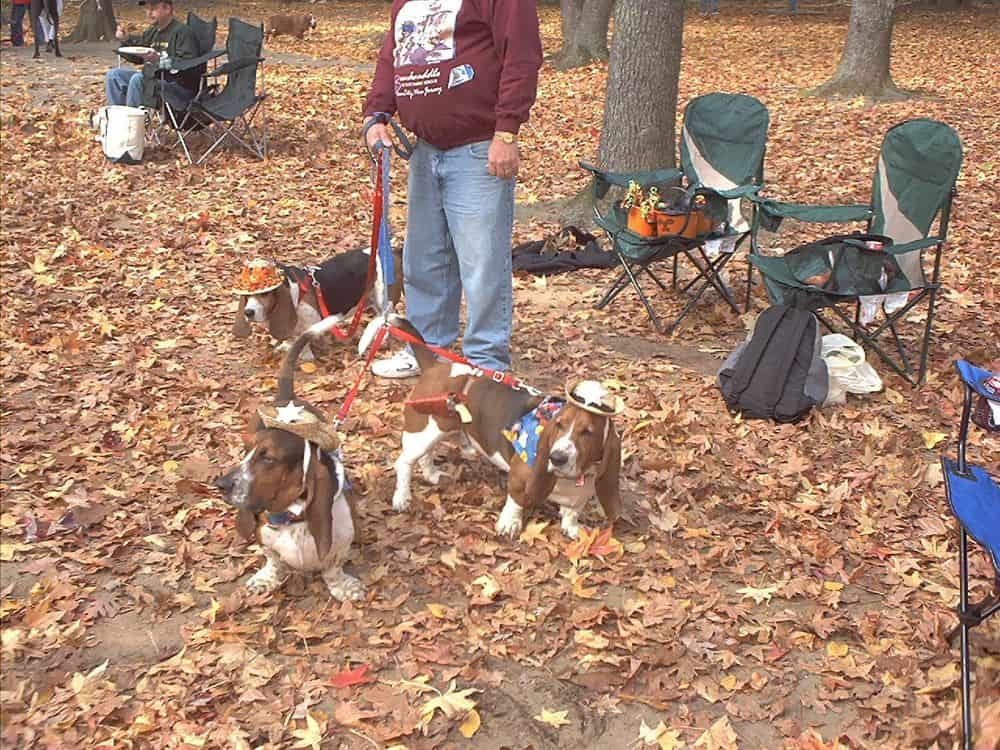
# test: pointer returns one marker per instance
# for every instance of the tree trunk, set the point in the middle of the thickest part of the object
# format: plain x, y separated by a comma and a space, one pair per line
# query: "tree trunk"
641, 102
96, 22
864, 63
584, 32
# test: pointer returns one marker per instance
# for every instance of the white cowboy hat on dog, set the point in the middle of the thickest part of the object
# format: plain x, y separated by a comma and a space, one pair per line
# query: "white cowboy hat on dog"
300, 421
592, 396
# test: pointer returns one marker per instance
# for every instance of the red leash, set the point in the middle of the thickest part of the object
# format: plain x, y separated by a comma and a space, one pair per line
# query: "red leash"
352, 394
308, 282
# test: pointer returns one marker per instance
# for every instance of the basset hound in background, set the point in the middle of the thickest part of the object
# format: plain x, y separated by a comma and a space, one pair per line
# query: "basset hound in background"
289, 490
292, 304
578, 449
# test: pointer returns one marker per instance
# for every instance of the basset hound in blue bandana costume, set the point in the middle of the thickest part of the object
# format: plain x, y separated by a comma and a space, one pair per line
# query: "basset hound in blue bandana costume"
578, 450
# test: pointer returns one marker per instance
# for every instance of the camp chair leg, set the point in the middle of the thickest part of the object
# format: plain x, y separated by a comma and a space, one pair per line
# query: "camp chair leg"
749, 283
613, 291
926, 348
654, 277
963, 572
179, 130
710, 273
620, 282
645, 300
900, 347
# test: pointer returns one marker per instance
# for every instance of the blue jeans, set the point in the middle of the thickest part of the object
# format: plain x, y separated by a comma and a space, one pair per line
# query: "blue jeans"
709, 6
123, 86
458, 232
17, 14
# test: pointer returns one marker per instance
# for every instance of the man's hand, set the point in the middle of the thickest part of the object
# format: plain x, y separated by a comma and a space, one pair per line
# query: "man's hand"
151, 57
121, 33
502, 159
377, 132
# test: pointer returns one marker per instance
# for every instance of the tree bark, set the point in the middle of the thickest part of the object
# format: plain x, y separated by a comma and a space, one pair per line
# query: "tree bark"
96, 22
865, 61
584, 32
641, 103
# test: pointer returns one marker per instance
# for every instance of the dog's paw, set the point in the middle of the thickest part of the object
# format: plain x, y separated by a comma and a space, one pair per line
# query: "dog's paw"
570, 523
468, 451
511, 520
571, 529
283, 347
267, 580
433, 475
344, 587
401, 501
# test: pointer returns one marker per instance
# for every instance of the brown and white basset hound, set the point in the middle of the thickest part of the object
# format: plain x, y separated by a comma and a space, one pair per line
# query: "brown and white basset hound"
578, 451
289, 490
294, 305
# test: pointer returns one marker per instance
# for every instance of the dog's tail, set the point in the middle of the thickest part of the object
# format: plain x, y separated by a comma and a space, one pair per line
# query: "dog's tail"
286, 378
425, 357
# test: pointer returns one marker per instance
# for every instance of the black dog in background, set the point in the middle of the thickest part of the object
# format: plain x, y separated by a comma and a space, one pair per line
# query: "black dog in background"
49, 6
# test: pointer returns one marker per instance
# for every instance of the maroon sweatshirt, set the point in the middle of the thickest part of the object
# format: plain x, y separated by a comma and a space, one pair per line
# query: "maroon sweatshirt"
456, 71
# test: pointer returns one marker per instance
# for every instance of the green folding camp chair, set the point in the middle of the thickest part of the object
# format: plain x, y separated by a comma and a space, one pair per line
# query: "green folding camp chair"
722, 145
914, 183
228, 110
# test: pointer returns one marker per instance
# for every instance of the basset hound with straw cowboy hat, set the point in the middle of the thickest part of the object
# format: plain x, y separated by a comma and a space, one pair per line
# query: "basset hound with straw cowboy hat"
290, 489
288, 299
563, 450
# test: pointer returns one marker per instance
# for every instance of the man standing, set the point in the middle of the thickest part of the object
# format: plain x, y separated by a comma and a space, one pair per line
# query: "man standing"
166, 34
462, 75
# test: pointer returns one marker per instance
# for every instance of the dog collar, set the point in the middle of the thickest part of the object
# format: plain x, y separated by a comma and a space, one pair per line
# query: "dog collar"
282, 519
293, 515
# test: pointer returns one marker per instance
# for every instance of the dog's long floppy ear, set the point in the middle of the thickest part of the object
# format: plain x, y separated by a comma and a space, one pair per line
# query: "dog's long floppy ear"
246, 525
281, 319
320, 489
541, 481
241, 326
606, 484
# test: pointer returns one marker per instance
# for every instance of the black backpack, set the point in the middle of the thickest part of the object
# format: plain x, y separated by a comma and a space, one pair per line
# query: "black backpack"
777, 373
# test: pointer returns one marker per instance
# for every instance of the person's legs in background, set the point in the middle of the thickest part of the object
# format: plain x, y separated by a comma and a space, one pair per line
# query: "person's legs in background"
17, 14
118, 85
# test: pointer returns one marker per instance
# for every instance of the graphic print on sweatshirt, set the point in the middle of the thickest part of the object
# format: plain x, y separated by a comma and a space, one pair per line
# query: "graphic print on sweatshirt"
425, 35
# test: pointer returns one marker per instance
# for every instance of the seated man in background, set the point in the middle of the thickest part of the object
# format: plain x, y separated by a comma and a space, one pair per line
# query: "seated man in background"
166, 34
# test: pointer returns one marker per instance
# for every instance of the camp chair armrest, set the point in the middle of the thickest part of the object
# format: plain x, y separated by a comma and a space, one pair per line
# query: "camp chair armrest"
622, 179
820, 214
742, 191
233, 65
194, 62
908, 247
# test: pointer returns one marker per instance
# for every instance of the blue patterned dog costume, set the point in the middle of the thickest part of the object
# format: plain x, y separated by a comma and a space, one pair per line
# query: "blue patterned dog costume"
524, 433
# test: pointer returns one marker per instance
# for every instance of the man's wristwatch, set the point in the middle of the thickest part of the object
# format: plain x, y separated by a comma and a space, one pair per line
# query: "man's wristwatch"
508, 138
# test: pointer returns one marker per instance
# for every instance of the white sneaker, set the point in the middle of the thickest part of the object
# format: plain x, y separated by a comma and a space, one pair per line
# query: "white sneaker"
402, 364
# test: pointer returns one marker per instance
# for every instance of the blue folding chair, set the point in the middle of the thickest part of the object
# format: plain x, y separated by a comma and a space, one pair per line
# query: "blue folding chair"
975, 500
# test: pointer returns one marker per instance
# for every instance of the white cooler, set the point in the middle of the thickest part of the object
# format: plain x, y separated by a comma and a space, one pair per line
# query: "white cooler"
122, 130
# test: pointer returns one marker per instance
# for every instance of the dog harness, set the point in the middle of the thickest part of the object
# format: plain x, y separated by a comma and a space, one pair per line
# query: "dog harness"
524, 433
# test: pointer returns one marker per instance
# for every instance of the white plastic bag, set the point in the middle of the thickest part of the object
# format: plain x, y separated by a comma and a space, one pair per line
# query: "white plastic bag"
849, 372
